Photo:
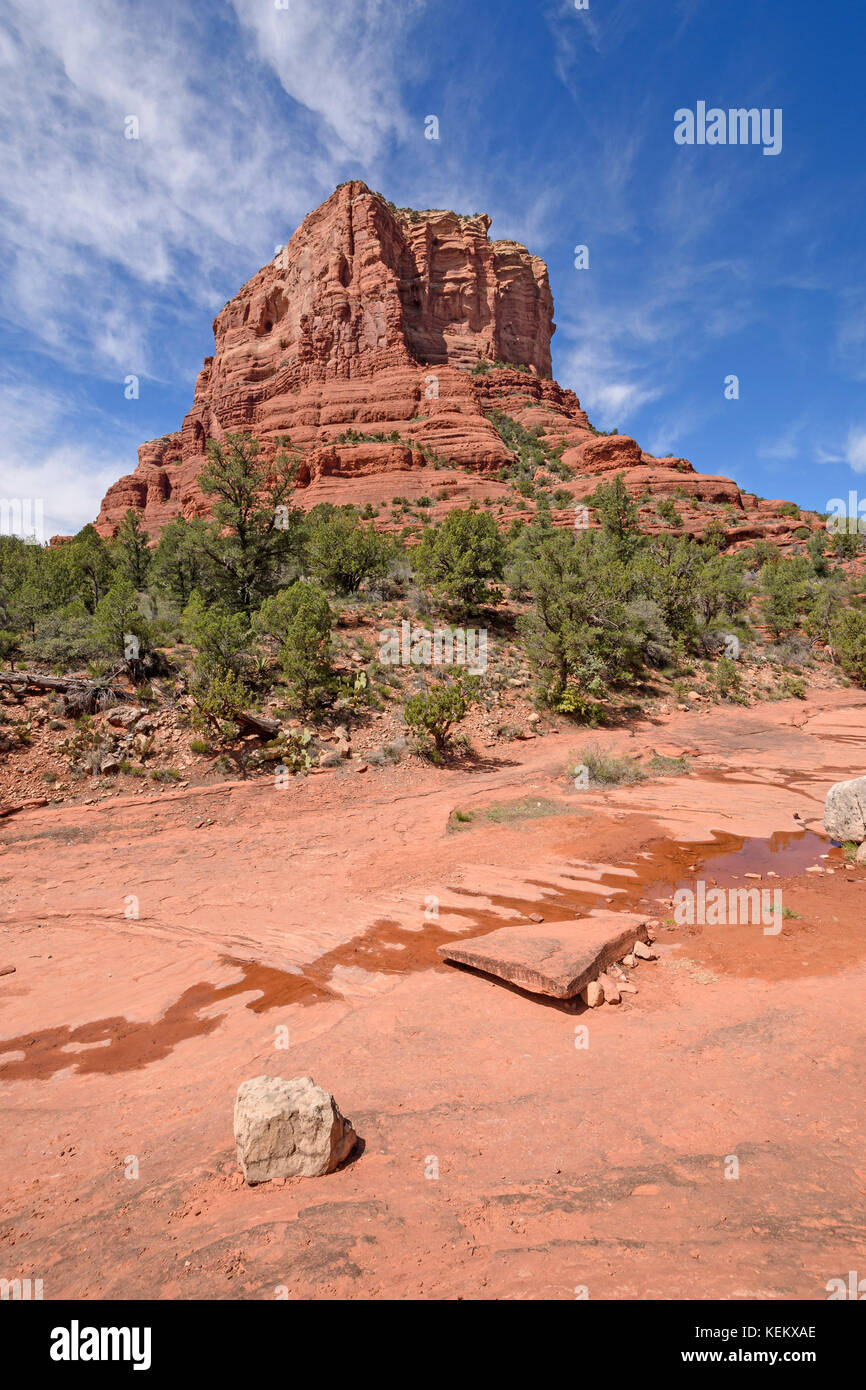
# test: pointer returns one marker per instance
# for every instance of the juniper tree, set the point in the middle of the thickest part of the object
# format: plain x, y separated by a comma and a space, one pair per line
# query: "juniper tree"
254, 526
131, 549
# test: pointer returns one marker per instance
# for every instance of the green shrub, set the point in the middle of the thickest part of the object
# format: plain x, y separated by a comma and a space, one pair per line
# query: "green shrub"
64, 639
219, 698
726, 677
256, 532
299, 619
117, 619
433, 713
848, 543
461, 559
793, 688
848, 639
217, 685
662, 766
342, 553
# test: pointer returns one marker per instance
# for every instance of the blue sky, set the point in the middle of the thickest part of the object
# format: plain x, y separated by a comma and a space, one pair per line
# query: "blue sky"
705, 261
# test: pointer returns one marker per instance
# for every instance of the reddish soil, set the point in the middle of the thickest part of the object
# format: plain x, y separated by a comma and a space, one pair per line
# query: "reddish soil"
559, 1166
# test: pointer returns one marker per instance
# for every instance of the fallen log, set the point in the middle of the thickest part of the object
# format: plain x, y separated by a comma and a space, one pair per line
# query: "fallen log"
268, 728
17, 679
81, 696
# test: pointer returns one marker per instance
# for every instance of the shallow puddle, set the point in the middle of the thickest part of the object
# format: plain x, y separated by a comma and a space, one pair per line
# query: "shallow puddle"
117, 1044
668, 865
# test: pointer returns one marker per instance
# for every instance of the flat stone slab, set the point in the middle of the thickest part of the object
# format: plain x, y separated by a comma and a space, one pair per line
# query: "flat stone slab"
558, 958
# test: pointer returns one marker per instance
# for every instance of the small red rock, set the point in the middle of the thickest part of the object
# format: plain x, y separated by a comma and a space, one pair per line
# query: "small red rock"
644, 952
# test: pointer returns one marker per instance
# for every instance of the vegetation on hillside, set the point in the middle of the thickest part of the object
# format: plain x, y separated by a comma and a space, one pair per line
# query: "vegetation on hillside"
247, 604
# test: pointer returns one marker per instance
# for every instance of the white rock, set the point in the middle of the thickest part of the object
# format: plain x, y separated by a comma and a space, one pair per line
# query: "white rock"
845, 810
289, 1129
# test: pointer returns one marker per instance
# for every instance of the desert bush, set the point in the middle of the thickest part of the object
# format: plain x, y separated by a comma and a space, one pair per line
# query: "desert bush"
660, 765
792, 688
131, 551
299, 620
433, 713
461, 560
607, 770
64, 639
785, 587
726, 677
848, 638
846, 544
342, 553
618, 515
256, 534
117, 618
576, 633
217, 686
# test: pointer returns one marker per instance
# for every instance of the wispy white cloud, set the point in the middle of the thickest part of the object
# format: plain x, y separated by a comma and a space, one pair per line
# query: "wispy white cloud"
850, 342
341, 65
671, 433
852, 451
624, 347
64, 482
109, 246
786, 445
855, 450
597, 368
98, 230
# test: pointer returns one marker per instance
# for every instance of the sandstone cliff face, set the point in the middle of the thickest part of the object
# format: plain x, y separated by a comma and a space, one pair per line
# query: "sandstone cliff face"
370, 321
336, 332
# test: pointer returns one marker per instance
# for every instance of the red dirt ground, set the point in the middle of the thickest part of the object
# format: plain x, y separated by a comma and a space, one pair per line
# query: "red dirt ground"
560, 1167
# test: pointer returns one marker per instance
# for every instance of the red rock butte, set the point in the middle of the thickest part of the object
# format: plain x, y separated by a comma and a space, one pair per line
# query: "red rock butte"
369, 323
